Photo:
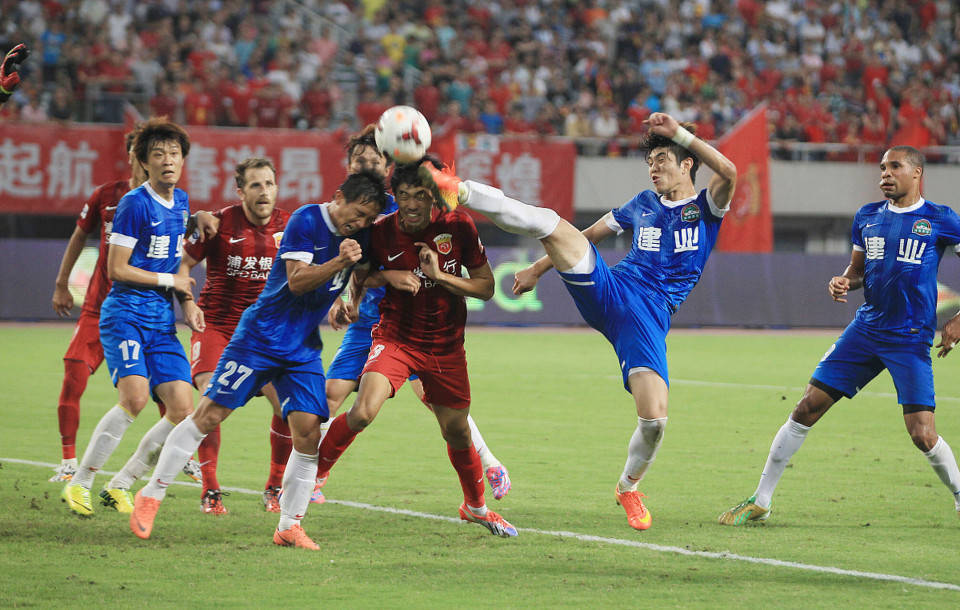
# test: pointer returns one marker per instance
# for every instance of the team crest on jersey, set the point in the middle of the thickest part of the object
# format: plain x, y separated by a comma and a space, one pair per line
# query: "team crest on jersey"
444, 243
922, 227
277, 237
186, 217
690, 213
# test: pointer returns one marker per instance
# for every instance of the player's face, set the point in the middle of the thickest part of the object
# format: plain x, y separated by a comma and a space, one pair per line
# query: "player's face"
665, 173
897, 175
164, 163
352, 216
414, 205
367, 158
259, 194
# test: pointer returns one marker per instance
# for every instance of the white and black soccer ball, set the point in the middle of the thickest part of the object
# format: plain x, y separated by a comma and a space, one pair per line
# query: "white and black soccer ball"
403, 134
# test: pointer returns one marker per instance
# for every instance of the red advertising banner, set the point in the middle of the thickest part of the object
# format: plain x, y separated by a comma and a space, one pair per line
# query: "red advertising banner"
531, 170
49, 169
748, 226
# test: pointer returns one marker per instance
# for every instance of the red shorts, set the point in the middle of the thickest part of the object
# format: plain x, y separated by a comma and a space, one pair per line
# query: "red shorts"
206, 348
85, 344
444, 376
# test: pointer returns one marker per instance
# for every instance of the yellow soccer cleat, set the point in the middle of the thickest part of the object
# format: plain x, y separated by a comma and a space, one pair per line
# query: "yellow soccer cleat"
444, 183
118, 499
743, 512
77, 498
638, 517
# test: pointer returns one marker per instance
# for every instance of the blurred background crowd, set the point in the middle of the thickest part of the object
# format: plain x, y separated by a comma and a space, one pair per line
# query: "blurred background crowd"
852, 72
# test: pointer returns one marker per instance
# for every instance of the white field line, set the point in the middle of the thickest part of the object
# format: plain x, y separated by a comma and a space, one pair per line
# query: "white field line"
919, 582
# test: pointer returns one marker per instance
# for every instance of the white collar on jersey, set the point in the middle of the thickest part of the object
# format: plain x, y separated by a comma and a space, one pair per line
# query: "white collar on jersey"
674, 204
156, 197
326, 218
911, 208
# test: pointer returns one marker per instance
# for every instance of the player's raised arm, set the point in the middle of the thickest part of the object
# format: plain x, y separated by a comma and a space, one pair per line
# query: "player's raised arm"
526, 279
724, 178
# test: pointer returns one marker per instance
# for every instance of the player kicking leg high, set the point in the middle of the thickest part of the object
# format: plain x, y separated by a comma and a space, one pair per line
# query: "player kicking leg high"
277, 341
674, 229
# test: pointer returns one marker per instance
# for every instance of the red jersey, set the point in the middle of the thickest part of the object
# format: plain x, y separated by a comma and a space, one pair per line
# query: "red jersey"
99, 211
239, 259
433, 319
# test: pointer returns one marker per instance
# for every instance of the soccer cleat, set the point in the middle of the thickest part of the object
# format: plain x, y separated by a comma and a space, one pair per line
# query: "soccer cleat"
192, 470
322, 480
144, 512
77, 498
743, 512
212, 502
295, 536
499, 480
317, 496
118, 499
443, 182
65, 471
637, 514
497, 525
271, 499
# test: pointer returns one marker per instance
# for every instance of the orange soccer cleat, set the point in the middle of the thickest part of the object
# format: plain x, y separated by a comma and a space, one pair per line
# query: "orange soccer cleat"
444, 183
295, 536
497, 525
637, 514
144, 512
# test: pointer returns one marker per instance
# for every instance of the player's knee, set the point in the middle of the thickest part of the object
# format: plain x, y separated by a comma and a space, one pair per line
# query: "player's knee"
359, 417
924, 437
652, 430
811, 408
135, 403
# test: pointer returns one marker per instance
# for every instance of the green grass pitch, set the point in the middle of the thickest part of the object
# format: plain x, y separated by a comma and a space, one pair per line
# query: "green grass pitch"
858, 496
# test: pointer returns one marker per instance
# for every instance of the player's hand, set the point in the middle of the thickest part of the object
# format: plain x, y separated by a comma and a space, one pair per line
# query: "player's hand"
62, 301
183, 283
337, 316
402, 280
208, 225
838, 287
525, 280
193, 316
949, 336
350, 252
9, 75
429, 262
662, 124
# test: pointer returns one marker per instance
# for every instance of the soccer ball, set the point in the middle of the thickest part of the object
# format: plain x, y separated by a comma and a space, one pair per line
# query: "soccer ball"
403, 134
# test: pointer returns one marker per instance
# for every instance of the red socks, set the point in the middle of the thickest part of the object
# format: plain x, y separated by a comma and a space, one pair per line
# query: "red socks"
281, 443
338, 438
208, 452
467, 464
75, 376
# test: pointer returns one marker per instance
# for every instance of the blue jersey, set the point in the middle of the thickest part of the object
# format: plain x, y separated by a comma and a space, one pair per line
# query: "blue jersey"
671, 243
282, 324
153, 228
903, 248
369, 310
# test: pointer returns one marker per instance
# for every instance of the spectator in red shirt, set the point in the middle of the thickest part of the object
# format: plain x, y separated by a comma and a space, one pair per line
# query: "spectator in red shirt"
316, 104
272, 108
198, 106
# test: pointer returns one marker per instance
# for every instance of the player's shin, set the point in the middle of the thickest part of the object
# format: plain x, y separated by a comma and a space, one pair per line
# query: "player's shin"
641, 451
208, 452
76, 374
182, 441
281, 443
105, 438
298, 481
336, 441
944, 463
467, 464
786, 443
144, 457
509, 214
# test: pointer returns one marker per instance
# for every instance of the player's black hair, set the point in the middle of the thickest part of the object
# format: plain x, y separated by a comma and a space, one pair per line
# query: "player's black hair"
653, 141
363, 139
366, 187
240, 173
409, 174
914, 156
159, 129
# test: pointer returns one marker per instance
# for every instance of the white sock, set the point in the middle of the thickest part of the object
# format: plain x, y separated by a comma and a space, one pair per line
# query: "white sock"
641, 451
105, 438
182, 441
509, 214
144, 458
323, 429
480, 511
945, 465
298, 481
486, 456
787, 442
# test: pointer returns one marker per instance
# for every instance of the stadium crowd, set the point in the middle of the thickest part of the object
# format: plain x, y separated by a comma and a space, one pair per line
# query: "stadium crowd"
830, 71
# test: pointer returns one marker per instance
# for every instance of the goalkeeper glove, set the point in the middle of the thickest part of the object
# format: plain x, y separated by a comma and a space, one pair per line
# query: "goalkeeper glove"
9, 77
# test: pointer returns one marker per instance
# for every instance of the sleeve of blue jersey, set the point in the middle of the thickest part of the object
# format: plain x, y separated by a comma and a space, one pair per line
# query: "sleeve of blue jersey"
856, 234
129, 218
624, 214
950, 227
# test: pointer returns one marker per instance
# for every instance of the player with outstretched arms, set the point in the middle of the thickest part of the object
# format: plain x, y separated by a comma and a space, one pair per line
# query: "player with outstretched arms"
897, 247
137, 324
422, 252
239, 259
674, 230
278, 341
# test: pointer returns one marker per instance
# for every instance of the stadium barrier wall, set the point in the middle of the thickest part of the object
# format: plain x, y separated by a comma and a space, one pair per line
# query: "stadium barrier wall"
750, 290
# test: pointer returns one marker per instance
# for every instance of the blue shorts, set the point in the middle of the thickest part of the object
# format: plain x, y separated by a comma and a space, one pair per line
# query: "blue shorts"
634, 324
243, 369
134, 350
352, 355
858, 356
